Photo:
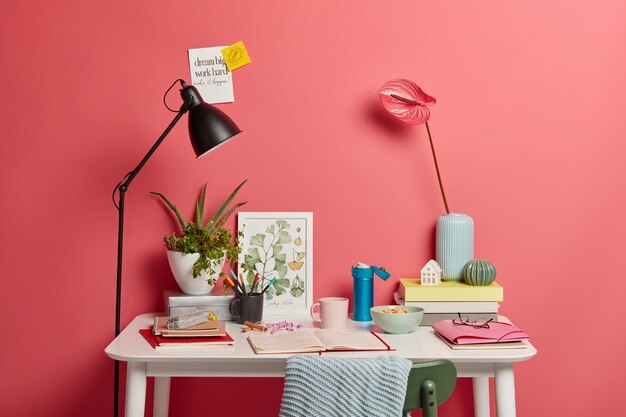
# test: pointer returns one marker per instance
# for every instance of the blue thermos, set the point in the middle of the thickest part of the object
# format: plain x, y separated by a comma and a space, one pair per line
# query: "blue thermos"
363, 276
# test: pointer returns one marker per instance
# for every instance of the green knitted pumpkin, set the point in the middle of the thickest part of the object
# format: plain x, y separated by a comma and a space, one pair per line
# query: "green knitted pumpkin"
479, 272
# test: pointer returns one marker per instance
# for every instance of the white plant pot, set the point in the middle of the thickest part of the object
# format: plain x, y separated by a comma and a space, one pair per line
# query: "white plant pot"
181, 265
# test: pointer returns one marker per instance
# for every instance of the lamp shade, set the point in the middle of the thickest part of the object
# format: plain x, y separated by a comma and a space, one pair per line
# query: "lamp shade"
209, 127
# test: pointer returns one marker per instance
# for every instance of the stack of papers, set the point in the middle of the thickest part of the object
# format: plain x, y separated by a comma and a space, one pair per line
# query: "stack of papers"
204, 334
183, 321
208, 328
157, 341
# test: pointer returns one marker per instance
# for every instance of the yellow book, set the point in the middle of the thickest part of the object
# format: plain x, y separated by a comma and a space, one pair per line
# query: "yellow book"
411, 290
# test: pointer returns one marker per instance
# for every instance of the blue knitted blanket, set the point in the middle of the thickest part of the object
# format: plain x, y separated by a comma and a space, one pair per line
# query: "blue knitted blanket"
318, 386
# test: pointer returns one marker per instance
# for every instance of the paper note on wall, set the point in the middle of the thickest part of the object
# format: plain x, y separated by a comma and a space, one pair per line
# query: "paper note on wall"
210, 76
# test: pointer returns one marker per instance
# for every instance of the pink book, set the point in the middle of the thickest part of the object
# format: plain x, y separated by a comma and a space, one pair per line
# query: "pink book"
464, 335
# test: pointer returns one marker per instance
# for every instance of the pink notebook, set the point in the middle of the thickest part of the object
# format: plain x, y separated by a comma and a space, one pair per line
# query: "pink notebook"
464, 335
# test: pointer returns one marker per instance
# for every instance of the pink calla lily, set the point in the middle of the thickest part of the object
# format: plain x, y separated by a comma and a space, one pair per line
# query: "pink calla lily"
404, 100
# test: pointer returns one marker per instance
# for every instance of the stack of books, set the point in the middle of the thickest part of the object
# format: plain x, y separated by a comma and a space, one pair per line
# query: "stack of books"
446, 300
208, 333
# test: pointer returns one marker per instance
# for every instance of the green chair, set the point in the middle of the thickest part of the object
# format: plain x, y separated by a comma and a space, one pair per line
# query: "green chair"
429, 384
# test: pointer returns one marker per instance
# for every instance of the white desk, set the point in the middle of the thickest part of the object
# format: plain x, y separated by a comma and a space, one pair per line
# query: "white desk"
240, 361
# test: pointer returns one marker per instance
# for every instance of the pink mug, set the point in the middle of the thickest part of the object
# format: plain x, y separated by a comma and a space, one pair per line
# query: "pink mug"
333, 312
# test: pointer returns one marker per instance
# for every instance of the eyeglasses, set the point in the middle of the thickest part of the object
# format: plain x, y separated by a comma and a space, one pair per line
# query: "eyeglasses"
465, 321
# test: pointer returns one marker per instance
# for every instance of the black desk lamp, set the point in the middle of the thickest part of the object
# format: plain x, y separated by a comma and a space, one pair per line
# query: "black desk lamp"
209, 128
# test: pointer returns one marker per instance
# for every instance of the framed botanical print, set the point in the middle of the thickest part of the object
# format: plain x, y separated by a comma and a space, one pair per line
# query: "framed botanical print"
279, 248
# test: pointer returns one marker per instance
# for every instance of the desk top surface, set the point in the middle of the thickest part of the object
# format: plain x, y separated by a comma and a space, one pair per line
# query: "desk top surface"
420, 345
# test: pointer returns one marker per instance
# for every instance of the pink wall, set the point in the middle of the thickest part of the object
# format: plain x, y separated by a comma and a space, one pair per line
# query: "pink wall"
529, 132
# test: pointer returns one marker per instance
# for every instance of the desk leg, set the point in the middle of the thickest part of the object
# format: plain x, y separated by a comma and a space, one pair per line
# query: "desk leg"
135, 389
481, 396
161, 396
505, 390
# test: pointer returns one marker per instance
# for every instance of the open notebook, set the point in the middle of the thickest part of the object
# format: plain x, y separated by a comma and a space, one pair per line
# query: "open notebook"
301, 341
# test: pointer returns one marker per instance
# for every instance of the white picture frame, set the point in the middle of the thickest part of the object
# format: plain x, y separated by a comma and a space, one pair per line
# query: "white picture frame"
279, 245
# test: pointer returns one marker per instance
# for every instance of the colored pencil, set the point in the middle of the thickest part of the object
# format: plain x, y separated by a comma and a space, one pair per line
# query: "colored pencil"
243, 282
243, 287
268, 285
256, 280
233, 285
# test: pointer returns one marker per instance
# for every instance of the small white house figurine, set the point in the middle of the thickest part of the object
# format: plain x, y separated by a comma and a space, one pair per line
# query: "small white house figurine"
431, 273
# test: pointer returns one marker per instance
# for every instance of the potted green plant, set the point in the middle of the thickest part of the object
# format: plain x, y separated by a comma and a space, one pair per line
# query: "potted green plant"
197, 256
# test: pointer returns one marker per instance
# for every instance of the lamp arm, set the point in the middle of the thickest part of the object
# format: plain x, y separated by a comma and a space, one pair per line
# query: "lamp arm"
183, 109
122, 188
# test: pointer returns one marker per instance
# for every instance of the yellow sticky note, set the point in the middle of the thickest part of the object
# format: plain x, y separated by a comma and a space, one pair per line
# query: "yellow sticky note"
235, 56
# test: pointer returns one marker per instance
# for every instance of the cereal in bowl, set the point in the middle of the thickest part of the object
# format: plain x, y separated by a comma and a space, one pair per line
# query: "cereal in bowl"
395, 310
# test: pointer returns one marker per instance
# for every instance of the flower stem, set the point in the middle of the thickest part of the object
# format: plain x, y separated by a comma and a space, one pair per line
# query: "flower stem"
432, 148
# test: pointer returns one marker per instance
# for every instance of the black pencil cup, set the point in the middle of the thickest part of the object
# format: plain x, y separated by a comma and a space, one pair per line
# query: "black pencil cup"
247, 308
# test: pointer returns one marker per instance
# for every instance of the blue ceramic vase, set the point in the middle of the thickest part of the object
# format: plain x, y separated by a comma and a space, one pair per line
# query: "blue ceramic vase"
455, 244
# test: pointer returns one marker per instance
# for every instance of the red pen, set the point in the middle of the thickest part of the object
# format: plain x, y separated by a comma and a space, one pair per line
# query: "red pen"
256, 279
